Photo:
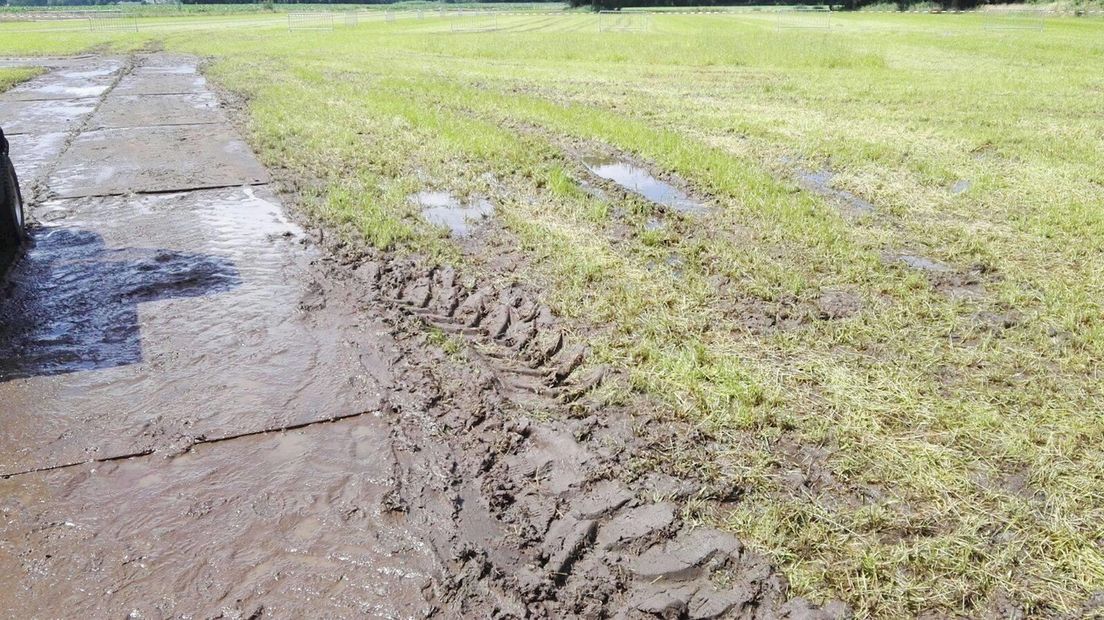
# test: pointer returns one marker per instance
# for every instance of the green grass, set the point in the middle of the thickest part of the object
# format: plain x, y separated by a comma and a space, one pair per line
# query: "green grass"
932, 452
11, 76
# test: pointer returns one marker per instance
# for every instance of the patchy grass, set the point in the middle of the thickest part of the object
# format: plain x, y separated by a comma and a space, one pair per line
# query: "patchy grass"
937, 448
11, 76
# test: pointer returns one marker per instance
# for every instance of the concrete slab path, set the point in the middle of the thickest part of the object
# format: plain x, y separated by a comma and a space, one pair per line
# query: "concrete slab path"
167, 301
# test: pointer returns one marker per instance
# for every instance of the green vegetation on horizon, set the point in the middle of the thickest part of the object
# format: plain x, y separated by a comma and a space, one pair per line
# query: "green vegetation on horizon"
939, 450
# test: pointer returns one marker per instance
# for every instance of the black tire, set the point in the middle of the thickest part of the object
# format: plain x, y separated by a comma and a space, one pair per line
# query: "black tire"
11, 213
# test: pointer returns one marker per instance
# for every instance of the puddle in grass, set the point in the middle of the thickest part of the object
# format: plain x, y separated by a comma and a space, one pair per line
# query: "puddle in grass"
444, 209
640, 181
920, 262
961, 185
821, 183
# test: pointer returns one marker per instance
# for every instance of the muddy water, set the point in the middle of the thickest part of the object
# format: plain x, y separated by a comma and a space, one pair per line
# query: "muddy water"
640, 181
445, 210
73, 303
287, 523
170, 309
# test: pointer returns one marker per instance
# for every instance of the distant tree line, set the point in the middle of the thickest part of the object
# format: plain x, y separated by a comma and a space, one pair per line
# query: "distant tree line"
844, 4
596, 4
256, 2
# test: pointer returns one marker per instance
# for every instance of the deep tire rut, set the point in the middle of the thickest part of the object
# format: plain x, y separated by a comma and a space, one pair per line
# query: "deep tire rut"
539, 516
515, 335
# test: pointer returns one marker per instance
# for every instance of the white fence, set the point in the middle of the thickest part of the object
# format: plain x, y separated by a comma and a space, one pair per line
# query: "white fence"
473, 21
313, 20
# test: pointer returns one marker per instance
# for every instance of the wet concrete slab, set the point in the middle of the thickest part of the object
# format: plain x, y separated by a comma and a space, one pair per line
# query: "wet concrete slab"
161, 82
82, 80
134, 305
167, 63
275, 526
150, 159
20, 117
124, 111
31, 154
154, 312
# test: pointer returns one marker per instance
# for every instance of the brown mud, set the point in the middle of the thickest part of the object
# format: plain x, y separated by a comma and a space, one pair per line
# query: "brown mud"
210, 413
508, 443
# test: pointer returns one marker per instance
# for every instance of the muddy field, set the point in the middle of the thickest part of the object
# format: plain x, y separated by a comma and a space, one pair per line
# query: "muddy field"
740, 314
210, 412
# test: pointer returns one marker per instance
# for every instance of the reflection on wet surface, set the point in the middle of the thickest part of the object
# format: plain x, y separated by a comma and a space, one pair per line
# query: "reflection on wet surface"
821, 183
72, 303
31, 153
28, 116
444, 209
640, 181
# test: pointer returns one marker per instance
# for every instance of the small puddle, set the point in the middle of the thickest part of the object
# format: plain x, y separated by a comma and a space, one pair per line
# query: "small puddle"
821, 183
444, 209
75, 92
640, 181
960, 186
87, 74
921, 262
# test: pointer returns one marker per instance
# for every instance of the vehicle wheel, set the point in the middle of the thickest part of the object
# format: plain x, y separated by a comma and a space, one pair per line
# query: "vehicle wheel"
11, 205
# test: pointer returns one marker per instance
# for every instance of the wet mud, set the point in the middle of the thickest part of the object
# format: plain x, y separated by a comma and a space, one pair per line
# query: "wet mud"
211, 413
545, 517
820, 182
963, 284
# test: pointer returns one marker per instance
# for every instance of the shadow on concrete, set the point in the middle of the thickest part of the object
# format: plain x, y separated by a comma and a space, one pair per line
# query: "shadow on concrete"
71, 303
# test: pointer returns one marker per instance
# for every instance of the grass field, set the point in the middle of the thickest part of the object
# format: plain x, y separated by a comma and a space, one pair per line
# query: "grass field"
10, 77
909, 399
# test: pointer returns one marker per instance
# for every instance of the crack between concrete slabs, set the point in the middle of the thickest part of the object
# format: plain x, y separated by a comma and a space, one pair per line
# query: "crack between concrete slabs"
39, 191
159, 192
197, 441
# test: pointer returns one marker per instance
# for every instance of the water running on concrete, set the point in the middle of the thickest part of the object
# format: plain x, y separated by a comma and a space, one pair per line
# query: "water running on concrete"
168, 299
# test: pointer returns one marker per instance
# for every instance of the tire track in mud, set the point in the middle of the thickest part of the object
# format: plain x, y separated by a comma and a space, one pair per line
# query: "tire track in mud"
540, 515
